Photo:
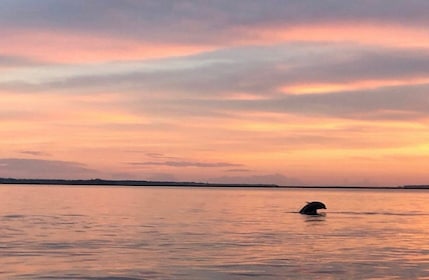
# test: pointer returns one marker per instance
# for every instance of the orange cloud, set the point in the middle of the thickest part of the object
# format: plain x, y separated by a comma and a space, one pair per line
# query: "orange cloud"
85, 48
388, 35
310, 88
59, 47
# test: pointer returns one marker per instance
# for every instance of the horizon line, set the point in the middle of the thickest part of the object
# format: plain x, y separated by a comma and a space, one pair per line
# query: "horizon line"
130, 182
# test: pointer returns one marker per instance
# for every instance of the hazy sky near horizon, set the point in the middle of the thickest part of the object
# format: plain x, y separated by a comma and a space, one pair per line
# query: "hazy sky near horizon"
273, 91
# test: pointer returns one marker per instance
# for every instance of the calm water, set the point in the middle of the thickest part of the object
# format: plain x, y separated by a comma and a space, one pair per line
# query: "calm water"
192, 233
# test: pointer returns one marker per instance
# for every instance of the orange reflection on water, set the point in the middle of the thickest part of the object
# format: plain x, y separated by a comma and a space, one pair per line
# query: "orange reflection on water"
180, 232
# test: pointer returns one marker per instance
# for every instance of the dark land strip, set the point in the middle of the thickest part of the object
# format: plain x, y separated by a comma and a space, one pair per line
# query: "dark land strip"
102, 182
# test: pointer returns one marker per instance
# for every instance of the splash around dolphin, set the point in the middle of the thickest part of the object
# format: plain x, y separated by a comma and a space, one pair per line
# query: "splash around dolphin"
311, 208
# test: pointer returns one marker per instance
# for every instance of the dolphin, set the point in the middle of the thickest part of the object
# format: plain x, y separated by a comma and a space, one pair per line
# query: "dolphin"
311, 208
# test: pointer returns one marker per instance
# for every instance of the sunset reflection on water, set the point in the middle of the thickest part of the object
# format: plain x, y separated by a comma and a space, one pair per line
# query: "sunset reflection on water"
193, 233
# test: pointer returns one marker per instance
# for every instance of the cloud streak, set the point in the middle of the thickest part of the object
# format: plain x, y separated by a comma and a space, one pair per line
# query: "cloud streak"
210, 85
149, 19
34, 153
40, 168
259, 71
186, 164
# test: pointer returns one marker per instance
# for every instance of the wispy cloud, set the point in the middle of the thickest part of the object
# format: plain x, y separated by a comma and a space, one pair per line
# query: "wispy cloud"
239, 170
38, 168
185, 164
149, 19
260, 70
15, 61
34, 153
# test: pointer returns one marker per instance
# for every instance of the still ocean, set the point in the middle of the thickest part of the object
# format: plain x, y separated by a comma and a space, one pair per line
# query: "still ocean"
79, 232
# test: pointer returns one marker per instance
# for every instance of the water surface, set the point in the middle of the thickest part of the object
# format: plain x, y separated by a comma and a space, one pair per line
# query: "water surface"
69, 232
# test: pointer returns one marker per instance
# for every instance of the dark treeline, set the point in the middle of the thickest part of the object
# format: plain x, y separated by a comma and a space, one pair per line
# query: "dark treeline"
122, 183
102, 182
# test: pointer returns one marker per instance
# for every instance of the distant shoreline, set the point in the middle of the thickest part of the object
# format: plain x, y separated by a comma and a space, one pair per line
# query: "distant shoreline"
102, 182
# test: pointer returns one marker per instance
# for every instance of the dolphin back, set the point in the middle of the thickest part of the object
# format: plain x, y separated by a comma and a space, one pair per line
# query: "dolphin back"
311, 208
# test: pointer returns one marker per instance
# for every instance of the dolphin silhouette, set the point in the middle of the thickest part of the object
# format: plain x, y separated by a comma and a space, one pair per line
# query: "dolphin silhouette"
311, 208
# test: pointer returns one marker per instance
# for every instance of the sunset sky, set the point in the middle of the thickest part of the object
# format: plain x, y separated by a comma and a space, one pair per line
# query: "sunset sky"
245, 91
